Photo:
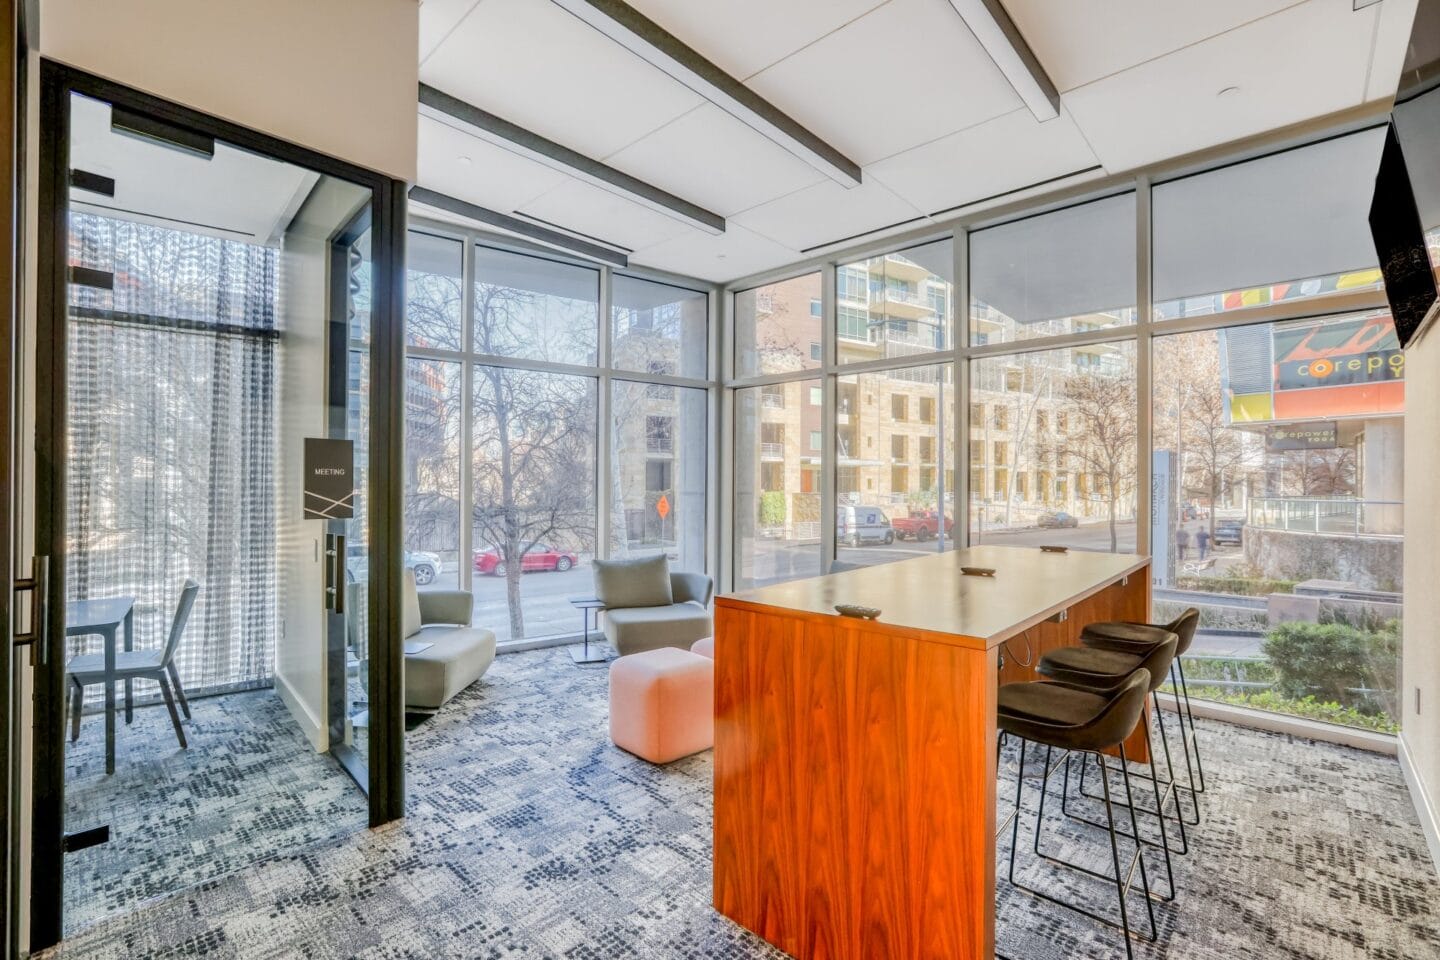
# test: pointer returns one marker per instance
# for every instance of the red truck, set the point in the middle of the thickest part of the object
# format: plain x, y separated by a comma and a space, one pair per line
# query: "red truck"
921, 525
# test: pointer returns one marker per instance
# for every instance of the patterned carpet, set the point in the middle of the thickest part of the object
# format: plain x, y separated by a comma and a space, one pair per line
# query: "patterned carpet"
249, 786
529, 835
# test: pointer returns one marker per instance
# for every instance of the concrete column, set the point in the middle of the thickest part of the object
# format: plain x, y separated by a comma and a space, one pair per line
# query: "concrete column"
1383, 476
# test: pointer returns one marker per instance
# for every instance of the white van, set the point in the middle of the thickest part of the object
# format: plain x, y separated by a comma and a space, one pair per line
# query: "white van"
857, 525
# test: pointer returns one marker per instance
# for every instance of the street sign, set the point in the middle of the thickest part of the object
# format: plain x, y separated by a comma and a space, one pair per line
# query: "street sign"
662, 506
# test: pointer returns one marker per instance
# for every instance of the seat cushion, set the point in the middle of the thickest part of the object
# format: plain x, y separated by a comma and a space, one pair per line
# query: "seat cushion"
1087, 667
1070, 718
636, 629
90, 668
456, 658
662, 704
638, 582
1136, 638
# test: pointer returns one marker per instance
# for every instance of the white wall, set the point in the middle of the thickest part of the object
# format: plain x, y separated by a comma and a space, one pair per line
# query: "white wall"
301, 674
1420, 737
339, 76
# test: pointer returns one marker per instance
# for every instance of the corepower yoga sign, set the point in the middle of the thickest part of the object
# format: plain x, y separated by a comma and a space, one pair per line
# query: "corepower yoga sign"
1339, 370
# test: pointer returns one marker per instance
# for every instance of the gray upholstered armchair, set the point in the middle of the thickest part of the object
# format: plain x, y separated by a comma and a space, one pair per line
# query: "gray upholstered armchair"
448, 653
647, 606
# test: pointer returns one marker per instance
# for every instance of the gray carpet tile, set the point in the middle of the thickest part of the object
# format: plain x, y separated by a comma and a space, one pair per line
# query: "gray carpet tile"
250, 787
530, 835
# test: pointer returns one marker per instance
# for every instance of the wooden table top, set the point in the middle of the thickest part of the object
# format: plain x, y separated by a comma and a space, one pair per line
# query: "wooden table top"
930, 594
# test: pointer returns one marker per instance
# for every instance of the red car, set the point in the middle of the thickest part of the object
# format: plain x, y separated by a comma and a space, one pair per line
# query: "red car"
542, 556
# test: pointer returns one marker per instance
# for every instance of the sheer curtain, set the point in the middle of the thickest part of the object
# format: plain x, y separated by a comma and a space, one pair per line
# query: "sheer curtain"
172, 442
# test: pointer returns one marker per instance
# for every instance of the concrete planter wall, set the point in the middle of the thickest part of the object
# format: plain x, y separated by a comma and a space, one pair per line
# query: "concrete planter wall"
1371, 563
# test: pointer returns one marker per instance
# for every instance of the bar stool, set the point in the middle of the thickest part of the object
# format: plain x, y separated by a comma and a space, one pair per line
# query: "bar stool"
1074, 720
1136, 638
1102, 672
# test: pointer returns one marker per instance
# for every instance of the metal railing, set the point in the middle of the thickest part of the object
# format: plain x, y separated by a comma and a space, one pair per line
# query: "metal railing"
772, 451
1335, 516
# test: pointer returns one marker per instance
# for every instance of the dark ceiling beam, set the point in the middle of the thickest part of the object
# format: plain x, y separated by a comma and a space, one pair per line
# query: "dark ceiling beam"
997, 33
526, 229
439, 105
648, 40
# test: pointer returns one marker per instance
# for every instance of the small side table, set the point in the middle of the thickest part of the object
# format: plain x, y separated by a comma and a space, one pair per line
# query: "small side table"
584, 655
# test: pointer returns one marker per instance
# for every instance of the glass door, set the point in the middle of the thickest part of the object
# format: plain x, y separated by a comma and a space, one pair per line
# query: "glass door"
219, 550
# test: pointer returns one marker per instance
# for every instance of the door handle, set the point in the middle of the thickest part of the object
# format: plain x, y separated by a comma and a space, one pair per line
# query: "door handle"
339, 573
330, 564
38, 585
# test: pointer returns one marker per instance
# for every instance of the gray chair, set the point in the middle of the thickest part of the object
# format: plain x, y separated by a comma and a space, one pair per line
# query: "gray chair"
157, 665
640, 617
454, 655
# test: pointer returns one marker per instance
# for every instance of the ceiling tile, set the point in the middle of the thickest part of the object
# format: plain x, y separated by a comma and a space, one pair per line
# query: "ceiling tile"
744, 36
1007, 153
825, 213
903, 75
1392, 37
1083, 40
735, 253
710, 158
535, 65
1301, 63
494, 178
608, 217
437, 19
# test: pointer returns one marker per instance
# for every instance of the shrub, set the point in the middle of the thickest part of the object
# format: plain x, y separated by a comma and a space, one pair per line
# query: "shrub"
1308, 707
772, 508
1329, 661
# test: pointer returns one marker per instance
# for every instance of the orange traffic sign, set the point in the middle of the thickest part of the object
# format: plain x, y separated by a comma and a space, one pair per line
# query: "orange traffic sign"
662, 506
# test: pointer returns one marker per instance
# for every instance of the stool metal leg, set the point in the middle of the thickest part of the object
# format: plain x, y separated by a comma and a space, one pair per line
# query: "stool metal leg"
1123, 877
1190, 715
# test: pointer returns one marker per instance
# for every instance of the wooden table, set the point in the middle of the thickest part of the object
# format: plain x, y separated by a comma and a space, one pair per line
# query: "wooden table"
855, 760
105, 617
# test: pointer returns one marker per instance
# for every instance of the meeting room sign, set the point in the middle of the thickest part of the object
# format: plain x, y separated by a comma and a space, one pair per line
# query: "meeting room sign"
329, 479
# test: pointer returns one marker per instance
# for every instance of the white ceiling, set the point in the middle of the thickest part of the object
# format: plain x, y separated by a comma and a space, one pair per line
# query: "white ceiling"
236, 195
901, 87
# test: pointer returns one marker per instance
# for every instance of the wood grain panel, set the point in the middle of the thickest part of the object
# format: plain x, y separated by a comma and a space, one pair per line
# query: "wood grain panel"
854, 788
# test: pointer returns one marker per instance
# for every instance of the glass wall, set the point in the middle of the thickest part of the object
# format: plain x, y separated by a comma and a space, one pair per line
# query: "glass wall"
894, 464
896, 305
1270, 438
1058, 273
1278, 463
508, 391
1053, 448
778, 459
778, 327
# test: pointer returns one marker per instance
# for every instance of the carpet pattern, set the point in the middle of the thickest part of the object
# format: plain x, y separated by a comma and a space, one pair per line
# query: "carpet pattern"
249, 787
530, 835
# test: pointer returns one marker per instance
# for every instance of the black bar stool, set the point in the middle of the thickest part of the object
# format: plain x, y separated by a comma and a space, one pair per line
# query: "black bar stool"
1102, 672
1074, 720
1135, 638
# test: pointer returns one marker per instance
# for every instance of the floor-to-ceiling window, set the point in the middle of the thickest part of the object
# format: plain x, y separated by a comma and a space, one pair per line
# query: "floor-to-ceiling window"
1278, 447
1200, 368
543, 433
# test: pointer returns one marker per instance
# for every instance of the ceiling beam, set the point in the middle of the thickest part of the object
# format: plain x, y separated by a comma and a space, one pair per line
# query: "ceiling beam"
439, 105
648, 40
531, 231
998, 34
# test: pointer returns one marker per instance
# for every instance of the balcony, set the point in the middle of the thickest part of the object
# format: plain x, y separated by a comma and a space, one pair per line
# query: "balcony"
772, 451
772, 401
894, 265
902, 305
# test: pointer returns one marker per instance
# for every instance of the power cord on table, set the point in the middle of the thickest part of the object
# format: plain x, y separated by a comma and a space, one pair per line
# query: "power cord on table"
1027, 660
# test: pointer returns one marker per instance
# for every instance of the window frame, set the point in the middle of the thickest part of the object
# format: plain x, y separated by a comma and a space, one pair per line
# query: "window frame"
603, 372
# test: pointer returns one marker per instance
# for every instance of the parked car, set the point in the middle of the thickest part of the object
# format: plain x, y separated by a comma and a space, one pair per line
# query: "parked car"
1053, 519
540, 556
427, 566
1229, 531
857, 525
921, 525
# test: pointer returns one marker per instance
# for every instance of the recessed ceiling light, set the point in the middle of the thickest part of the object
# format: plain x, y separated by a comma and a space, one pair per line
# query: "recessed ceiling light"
1227, 91
463, 161
720, 256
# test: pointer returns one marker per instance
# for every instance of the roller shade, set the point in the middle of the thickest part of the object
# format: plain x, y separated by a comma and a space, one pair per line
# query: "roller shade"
1291, 216
536, 275
1064, 264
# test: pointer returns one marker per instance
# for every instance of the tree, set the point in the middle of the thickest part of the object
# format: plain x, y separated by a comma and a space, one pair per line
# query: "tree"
534, 435
1102, 439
